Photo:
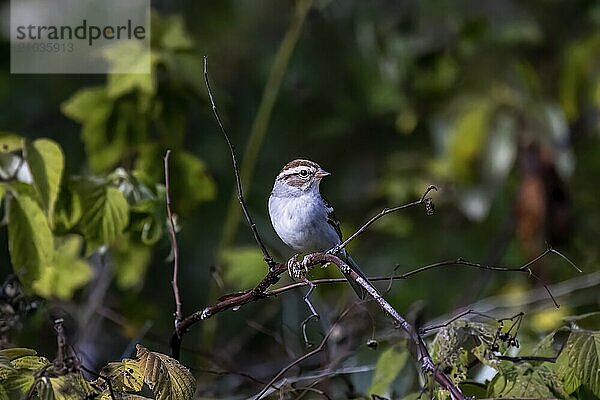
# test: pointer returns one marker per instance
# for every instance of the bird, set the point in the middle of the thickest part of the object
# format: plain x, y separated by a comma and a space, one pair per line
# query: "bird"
303, 219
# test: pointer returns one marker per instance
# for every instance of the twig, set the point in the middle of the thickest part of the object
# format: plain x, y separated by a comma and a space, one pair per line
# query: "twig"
313, 312
106, 379
173, 238
526, 268
458, 316
319, 375
303, 357
240, 192
423, 200
262, 118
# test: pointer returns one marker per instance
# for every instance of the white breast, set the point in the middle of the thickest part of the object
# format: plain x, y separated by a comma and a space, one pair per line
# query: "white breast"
301, 222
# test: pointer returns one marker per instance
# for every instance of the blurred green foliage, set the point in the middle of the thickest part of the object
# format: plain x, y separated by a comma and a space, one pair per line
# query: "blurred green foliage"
497, 103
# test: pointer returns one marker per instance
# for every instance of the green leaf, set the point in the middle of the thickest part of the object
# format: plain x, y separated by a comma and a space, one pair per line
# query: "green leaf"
3, 393
171, 33
590, 321
105, 213
46, 163
8, 355
473, 390
130, 260
526, 381
67, 273
68, 210
190, 181
80, 106
93, 108
242, 267
388, 367
579, 362
165, 376
126, 375
18, 384
468, 137
30, 240
125, 57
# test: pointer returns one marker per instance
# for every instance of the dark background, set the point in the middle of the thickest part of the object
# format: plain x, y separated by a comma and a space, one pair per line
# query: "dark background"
496, 103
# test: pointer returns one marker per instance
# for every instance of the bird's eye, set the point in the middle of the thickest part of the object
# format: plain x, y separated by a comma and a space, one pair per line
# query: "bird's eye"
303, 173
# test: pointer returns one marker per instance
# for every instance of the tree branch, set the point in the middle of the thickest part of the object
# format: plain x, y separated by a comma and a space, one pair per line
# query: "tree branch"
525, 268
174, 247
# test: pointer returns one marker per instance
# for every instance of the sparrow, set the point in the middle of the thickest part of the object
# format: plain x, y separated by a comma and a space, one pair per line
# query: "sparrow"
302, 218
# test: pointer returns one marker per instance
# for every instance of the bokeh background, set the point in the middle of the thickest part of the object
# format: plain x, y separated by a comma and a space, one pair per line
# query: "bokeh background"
497, 103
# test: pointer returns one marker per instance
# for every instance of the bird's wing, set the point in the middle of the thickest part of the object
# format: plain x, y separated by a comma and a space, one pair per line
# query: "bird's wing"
331, 218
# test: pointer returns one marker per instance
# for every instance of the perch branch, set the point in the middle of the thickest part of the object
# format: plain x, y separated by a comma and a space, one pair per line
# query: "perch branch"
525, 268
261, 290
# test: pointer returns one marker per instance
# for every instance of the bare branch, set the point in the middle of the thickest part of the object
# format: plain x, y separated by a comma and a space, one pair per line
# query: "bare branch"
305, 356
174, 247
424, 200
525, 268
238, 182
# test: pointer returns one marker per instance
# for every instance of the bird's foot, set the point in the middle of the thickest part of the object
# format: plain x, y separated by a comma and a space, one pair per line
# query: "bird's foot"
334, 250
296, 269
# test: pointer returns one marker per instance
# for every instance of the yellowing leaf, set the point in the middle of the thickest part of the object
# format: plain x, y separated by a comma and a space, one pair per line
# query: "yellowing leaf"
167, 378
30, 241
46, 163
34, 363
10, 141
388, 367
66, 387
125, 375
17, 352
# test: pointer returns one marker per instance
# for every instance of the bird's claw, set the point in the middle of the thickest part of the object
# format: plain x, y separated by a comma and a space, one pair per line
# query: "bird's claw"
296, 269
334, 250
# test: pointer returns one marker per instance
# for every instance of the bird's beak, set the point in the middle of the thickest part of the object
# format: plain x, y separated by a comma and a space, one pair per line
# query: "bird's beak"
321, 173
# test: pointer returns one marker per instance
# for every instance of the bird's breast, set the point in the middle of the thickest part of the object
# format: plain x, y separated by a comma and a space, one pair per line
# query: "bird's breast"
301, 222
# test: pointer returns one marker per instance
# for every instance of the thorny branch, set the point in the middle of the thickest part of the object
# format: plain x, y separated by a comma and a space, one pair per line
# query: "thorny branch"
238, 182
174, 247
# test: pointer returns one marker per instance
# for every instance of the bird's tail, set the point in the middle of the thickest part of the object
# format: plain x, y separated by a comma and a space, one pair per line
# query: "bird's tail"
360, 291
